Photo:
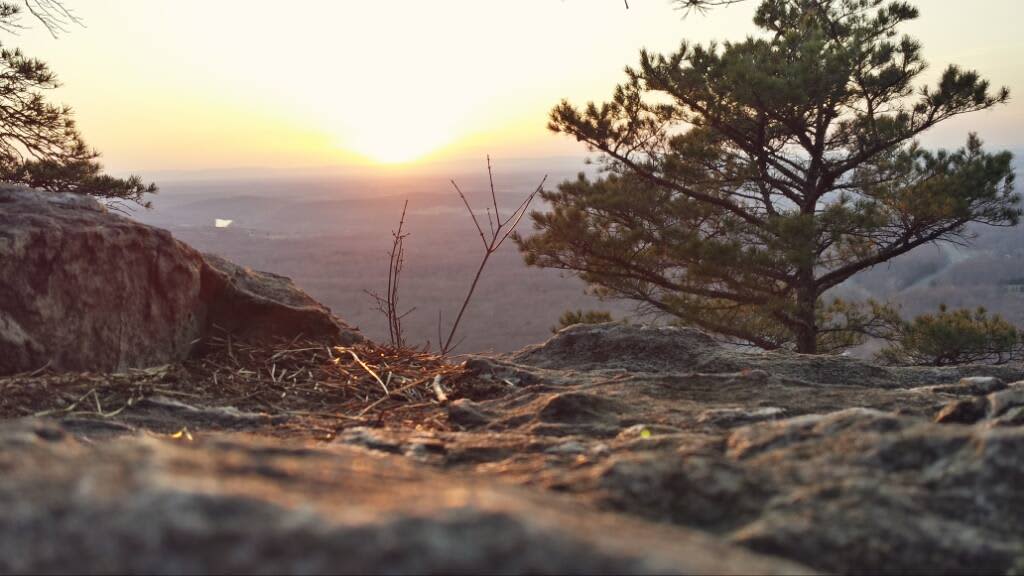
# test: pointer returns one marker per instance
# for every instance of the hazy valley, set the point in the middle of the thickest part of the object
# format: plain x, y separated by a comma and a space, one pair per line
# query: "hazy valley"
331, 234
332, 237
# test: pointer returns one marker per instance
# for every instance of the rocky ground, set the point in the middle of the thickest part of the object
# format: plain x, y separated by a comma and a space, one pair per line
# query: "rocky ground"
608, 448
162, 411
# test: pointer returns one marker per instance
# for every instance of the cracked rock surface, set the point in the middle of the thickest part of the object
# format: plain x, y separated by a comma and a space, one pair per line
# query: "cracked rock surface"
608, 448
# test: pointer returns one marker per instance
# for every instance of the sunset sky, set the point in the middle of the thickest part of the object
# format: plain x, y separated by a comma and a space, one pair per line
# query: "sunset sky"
227, 84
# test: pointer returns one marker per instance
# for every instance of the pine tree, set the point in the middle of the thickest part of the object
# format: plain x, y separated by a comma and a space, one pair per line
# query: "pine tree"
39, 143
741, 181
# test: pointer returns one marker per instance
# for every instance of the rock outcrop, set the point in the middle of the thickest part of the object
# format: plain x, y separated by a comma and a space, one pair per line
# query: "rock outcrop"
609, 448
85, 289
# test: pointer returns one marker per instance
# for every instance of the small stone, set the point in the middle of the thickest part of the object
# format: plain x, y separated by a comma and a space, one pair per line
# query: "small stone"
982, 384
49, 433
1013, 417
369, 438
966, 411
971, 385
646, 431
732, 416
1000, 402
570, 447
425, 451
467, 413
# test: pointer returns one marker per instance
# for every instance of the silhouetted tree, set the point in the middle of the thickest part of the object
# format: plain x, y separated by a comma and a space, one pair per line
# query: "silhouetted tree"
39, 143
741, 181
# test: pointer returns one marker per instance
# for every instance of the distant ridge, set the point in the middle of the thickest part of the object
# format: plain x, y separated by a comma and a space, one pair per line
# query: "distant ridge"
447, 168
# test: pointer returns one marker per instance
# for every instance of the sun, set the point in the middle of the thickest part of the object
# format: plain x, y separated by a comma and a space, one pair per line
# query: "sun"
394, 139
401, 146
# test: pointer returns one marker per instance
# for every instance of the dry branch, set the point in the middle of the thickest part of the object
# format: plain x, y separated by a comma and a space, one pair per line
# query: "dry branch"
500, 230
388, 304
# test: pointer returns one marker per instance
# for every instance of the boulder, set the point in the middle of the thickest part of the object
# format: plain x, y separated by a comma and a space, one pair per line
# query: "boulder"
86, 289
259, 305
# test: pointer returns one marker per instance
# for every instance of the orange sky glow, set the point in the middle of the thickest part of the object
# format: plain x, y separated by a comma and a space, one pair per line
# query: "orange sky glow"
197, 85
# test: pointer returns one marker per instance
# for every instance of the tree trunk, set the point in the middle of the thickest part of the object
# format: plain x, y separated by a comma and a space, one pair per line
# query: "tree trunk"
807, 329
807, 340
807, 288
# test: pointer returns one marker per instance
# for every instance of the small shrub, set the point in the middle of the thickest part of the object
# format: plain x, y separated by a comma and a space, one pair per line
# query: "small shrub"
952, 337
570, 317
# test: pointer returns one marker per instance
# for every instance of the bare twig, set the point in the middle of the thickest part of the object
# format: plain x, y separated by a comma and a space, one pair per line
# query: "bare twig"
700, 6
471, 214
367, 368
439, 337
56, 17
500, 231
438, 391
388, 304
405, 388
494, 197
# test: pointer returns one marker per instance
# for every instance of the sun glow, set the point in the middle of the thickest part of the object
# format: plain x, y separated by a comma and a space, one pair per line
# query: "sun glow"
400, 82
396, 141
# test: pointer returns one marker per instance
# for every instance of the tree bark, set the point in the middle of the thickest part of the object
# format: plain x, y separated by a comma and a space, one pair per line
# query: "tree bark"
807, 340
806, 305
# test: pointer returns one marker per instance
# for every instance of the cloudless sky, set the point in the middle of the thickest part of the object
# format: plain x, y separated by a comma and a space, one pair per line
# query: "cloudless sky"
216, 84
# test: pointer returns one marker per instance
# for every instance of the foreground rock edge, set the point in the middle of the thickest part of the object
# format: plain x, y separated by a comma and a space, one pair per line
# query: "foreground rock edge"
228, 504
